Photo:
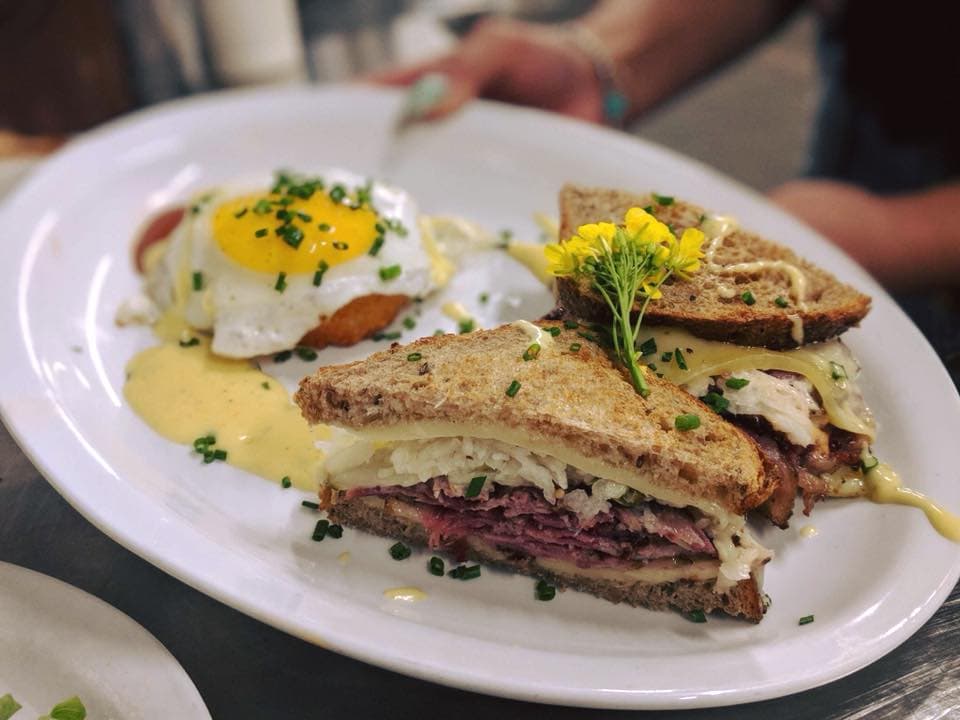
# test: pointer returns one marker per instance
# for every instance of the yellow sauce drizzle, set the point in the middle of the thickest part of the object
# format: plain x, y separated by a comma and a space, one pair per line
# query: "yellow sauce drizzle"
883, 485
809, 531
407, 594
532, 257
184, 393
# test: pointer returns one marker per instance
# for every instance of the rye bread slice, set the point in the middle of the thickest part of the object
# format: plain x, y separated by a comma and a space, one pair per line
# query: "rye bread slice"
372, 514
578, 400
710, 304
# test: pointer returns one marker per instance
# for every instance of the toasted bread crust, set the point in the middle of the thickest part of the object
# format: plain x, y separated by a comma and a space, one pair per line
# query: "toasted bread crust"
700, 305
579, 399
355, 321
743, 600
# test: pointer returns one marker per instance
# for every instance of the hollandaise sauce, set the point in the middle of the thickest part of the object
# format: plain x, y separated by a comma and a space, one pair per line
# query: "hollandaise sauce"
883, 485
405, 594
187, 394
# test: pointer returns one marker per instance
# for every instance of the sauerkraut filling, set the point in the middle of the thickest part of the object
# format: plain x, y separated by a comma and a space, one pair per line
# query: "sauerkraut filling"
536, 505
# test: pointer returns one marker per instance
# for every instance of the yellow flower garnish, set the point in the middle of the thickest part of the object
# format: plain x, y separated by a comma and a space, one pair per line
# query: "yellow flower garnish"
628, 264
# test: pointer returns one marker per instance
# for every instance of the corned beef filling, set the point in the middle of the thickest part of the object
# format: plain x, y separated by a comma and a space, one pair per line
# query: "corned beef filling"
520, 519
794, 467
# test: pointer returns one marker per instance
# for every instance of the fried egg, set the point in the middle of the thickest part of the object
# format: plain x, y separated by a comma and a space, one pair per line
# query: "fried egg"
261, 266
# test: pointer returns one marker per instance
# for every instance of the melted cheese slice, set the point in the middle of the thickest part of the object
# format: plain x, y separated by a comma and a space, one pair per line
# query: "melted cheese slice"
818, 362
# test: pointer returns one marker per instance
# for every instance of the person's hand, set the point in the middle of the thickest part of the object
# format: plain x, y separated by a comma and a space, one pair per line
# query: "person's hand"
512, 61
905, 241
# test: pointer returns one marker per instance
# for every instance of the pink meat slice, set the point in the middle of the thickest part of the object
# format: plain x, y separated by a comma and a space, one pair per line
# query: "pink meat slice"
522, 520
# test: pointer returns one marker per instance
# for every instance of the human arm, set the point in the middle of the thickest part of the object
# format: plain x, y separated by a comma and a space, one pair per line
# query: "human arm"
654, 46
906, 241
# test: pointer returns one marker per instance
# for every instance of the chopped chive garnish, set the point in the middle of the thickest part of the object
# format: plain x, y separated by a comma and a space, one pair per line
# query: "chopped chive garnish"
513, 389
320, 530
390, 272
531, 352
281, 283
681, 361
716, 402
868, 464
438, 332
465, 572
781, 301
283, 356
484, 298
648, 347
306, 353
341, 246
466, 326
652, 366
335, 531
262, 207
554, 331
736, 383
338, 193
805, 620
219, 454
240, 213
396, 226
304, 216
409, 323
285, 481
202, 444
386, 336
475, 486
697, 616
283, 214
667, 356
291, 235
837, 371
687, 421
262, 232
324, 227
648, 209
375, 248
571, 324
545, 591
318, 275
399, 551
748, 297
665, 200
380, 228
575, 347
310, 505
190, 343
435, 566
414, 357
265, 385
198, 280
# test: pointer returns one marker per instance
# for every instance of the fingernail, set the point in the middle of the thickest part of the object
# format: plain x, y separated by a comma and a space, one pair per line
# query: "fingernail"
424, 95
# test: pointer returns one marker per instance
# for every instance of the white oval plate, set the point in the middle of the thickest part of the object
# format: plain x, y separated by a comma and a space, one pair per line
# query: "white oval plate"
871, 577
57, 641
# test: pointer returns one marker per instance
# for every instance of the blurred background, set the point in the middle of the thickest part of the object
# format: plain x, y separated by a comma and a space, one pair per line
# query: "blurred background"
68, 65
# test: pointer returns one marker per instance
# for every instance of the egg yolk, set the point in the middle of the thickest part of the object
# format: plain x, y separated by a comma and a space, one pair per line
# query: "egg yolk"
261, 233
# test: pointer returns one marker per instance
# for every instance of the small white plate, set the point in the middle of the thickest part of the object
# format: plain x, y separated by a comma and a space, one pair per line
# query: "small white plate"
871, 577
57, 641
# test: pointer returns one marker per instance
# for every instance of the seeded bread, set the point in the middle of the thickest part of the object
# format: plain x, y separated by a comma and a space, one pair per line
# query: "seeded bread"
710, 305
373, 514
579, 399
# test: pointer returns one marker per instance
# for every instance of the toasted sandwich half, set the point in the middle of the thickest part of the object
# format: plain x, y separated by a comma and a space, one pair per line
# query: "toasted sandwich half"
755, 334
546, 461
